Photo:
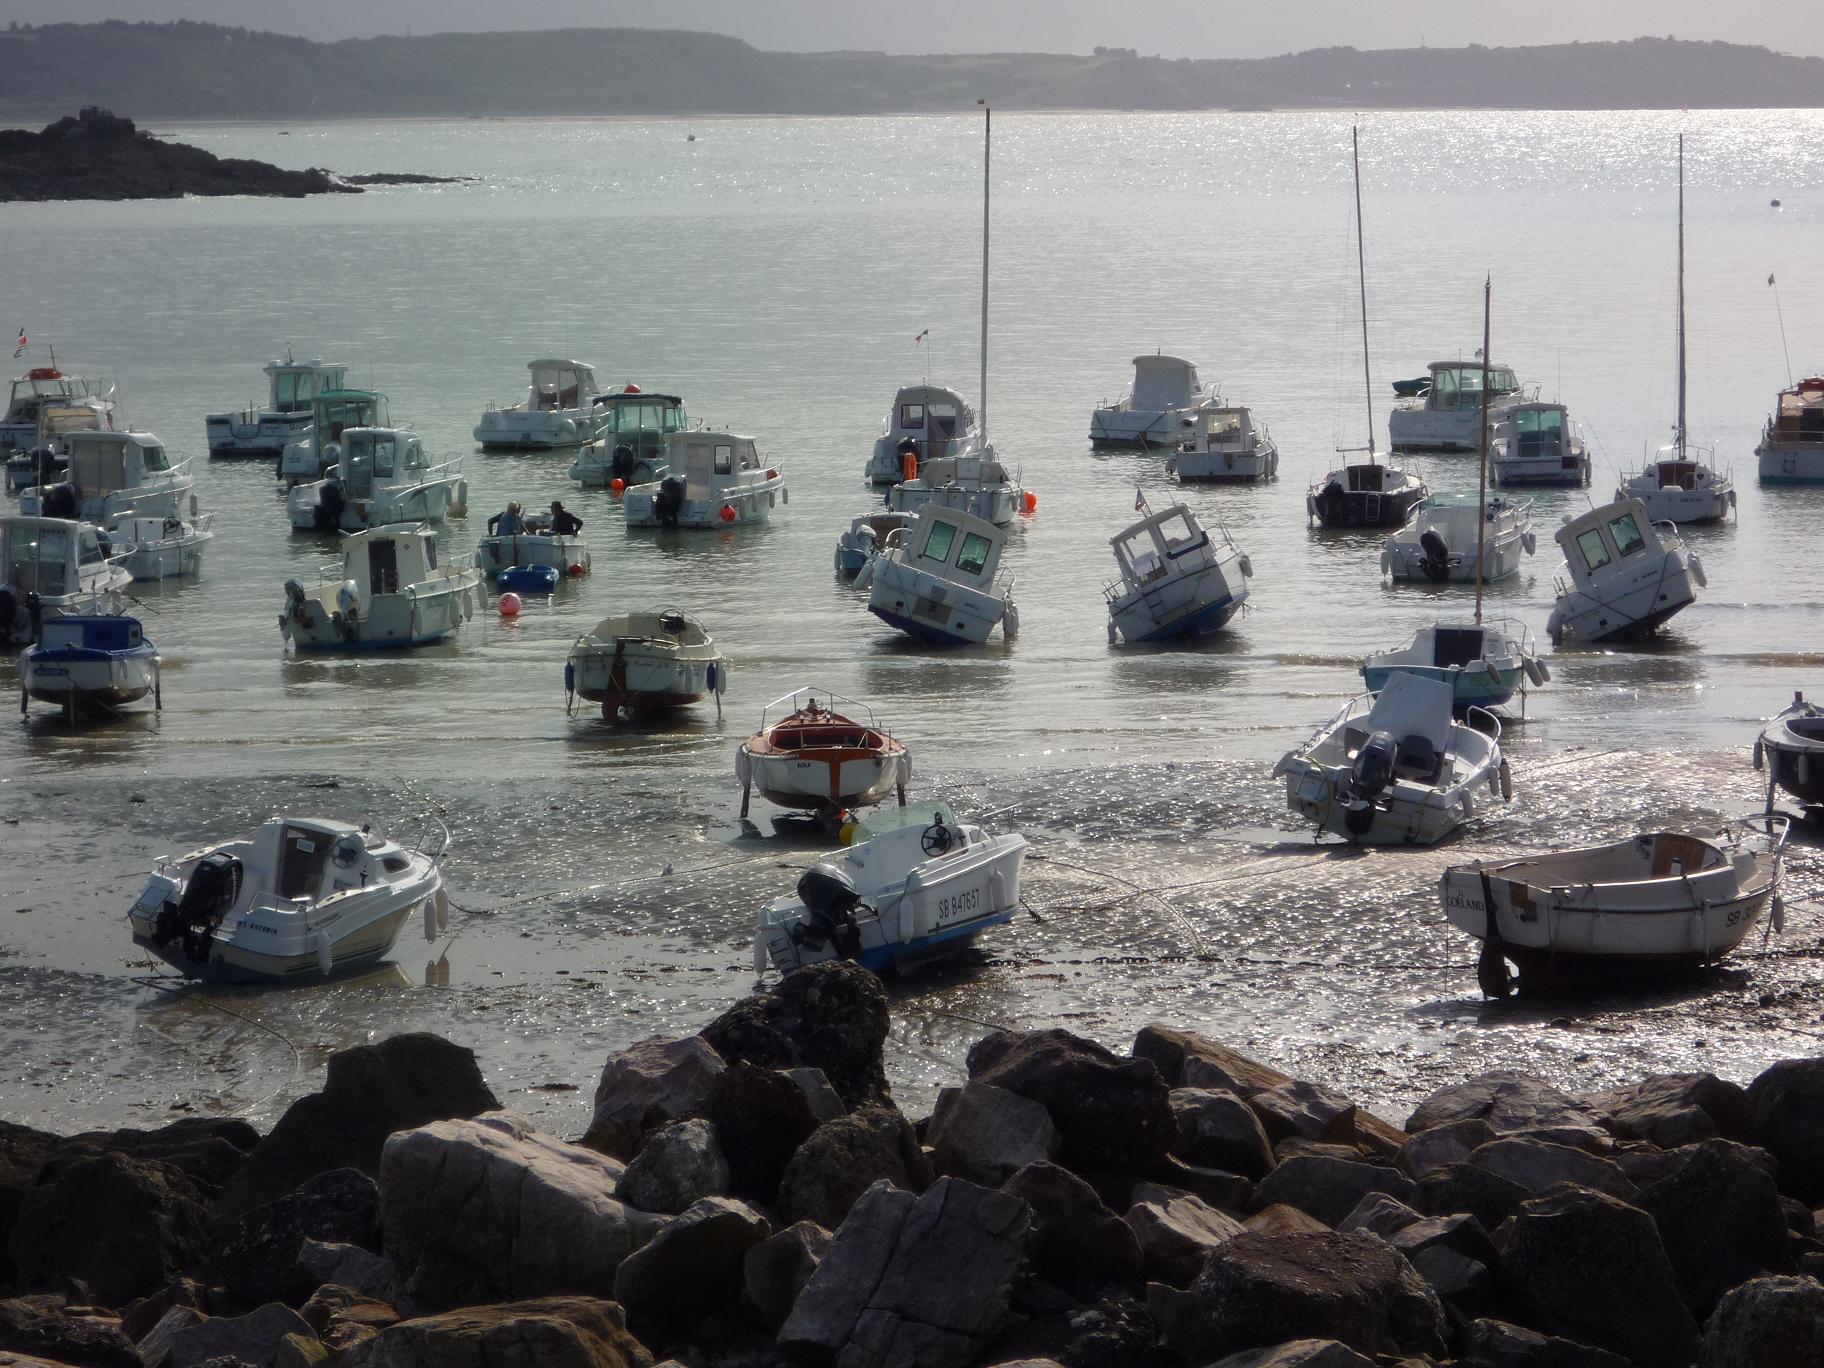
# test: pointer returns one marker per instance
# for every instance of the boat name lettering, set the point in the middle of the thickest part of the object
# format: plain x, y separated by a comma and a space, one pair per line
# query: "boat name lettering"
970, 901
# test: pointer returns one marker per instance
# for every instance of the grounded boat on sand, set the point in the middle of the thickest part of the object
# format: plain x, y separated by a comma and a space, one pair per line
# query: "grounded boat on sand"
1162, 401
1791, 749
914, 885
561, 409
646, 662
939, 585
720, 481
1538, 444
254, 431
1485, 663
1225, 444
816, 759
89, 664
389, 591
1176, 580
1791, 450
1661, 900
1440, 542
1443, 411
925, 422
304, 898
1627, 575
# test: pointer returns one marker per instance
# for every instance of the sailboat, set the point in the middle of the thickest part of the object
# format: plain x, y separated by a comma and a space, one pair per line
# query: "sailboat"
1679, 484
1363, 493
1484, 663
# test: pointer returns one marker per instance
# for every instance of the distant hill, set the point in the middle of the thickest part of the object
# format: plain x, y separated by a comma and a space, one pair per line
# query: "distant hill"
192, 70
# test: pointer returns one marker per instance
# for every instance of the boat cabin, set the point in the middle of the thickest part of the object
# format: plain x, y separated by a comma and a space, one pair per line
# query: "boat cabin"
57, 421
91, 634
48, 556
709, 461
40, 386
931, 417
1416, 712
560, 385
1676, 471
303, 859
1456, 385
383, 456
640, 420
335, 411
1161, 545
296, 384
1604, 537
1370, 477
954, 546
1539, 432
1799, 420
1162, 383
104, 463
1217, 428
382, 560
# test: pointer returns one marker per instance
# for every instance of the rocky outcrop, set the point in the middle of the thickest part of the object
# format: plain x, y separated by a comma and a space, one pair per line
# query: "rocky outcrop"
1111, 1113
548, 1332
1073, 1232
1329, 1188
1176, 1233
775, 1271
250, 1339
1670, 1110
1216, 1129
1498, 1344
831, 1016
692, 1267
846, 1156
1509, 1101
760, 1117
1720, 1221
678, 1165
258, 1255
1788, 1109
987, 1134
1767, 1323
653, 1083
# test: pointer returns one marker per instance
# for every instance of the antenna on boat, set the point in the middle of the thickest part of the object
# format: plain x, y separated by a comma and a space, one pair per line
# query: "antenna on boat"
1681, 297
987, 126
1781, 315
1361, 269
1482, 463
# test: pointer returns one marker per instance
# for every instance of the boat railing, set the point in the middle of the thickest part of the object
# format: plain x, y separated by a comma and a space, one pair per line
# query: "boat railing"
810, 693
431, 827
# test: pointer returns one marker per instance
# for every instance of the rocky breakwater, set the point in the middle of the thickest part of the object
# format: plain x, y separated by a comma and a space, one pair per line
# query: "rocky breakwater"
752, 1195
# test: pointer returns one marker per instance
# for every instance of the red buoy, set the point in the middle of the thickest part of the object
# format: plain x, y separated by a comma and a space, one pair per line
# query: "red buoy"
728, 513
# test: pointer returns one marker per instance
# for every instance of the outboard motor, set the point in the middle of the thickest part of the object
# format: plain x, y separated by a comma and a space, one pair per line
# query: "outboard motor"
1373, 767
327, 516
214, 887
59, 502
670, 500
1436, 560
830, 900
621, 466
1335, 500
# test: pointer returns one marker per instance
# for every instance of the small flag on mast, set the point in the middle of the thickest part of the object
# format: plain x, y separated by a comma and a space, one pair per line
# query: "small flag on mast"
1770, 277
20, 349
1139, 500
921, 337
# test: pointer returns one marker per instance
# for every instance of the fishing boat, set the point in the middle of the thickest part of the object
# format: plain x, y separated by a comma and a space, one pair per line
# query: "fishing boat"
1661, 900
1623, 576
1176, 580
1791, 450
54, 567
292, 386
162, 548
723, 483
1443, 411
1225, 444
332, 412
646, 662
388, 591
1164, 399
914, 885
88, 665
813, 758
562, 408
1394, 768
926, 421
1539, 444
381, 476
113, 475
1485, 663
979, 485
868, 534
1454, 538
631, 447
535, 544
44, 386
304, 898
1791, 749
939, 584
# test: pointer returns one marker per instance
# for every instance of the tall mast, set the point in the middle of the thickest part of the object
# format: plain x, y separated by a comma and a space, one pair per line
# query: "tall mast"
1361, 270
982, 413
1482, 465
1681, 297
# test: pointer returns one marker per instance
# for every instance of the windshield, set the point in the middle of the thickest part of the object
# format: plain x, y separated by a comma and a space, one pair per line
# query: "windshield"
937, 545
155, 458
974, 554
1595, 550
1626, 533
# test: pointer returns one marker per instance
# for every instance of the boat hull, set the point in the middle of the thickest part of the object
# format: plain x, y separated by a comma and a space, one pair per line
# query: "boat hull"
233, 962
1473, 687
386, 621
77, 679
1126, 427
1358, 508
517, 430
1557, 472
496, 554
1141, 624
250, 435
751, 505
1634, 613
1225, 467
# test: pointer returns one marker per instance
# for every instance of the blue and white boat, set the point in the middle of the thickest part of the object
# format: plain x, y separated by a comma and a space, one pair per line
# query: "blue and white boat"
1485, 663
89, 664
1176, 580
939, 584
915, 884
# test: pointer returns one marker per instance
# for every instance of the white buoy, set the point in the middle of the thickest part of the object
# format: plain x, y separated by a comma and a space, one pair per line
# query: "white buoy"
443, 909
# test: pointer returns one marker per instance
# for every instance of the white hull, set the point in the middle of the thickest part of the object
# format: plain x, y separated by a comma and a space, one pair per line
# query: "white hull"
108, 682
930, 608
751, 504
1420, 429
154, 549
996, 504
431, 501
254, 433
1627, 607
495, 554
1682, 505
594, 469
418, 614
1506, 535
1791, 465
1512, 472
1200, 603
1120, 426
516, 429
790, 781
1260, 464
635, 676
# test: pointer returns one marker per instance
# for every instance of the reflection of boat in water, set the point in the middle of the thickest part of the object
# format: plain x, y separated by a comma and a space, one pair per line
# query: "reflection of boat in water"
815, 759
89, 664
644, 662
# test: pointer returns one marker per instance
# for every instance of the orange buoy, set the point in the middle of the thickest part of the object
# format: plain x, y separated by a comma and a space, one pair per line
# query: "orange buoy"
576, 570
728, 513
908, 467
509, 605
617, 486
1032, 501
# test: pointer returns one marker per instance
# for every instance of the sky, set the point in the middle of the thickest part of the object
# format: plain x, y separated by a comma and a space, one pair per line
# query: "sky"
1166, 28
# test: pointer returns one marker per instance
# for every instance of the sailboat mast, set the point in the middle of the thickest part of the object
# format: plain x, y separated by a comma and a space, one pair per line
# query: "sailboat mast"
1482, 465
1681, 296
1361, 273
982, 413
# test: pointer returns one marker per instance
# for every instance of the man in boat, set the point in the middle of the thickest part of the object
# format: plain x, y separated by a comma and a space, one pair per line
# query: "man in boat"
507, 524
564, 523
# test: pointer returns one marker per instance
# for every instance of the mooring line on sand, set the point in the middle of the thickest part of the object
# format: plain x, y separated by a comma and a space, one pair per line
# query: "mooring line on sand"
173, 986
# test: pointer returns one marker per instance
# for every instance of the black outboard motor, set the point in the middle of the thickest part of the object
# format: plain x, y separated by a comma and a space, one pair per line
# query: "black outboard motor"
327, 516
1436, 561
670, 500
1335, 500
209, 895
1373, 767
59, 501
830, 900
621, 467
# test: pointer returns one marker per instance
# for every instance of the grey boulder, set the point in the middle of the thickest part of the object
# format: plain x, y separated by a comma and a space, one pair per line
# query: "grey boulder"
1176, 1234
1721, 1221
1788, 1102
1767, 1323
1329, 1188
775, 1271
987, 1134
846, 1156
1111, 1112
253, 1338
677, 1165
1508, 1101
1536, 1165
1217, 1129
692, 1267
1073, 1232
652, 1083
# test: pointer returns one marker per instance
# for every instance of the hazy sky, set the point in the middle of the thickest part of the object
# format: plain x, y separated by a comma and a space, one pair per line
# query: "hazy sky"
1168, 28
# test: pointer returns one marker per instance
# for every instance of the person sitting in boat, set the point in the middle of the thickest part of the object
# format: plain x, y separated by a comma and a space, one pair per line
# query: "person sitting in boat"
506, 524
564, 523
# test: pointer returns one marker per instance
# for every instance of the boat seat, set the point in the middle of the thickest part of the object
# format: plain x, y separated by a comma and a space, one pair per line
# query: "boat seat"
1416, 759
1686, 852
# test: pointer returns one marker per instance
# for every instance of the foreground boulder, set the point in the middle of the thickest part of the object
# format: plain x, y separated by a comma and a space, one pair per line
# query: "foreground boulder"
1304, 1353
831, 1016
846, 1156
549, 1332
775, 1271
38, 1326
692, 1267
258, 1255
678, 1164
987, 1134
1176, 1233
1536, 1165
1216, 1129
1330, 1188
912, 1280
250, 1339
1720, 1220
648, 1085
23, 1153
1670, 1110
1073, 1232
1767, 1323
1508, 1101
760, 1117
1497, 1344
1111, 1113
1788, 1103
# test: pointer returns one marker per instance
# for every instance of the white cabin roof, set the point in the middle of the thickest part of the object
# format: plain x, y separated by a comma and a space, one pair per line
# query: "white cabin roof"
557, 363
314, 365
1572, 528
1163, 382
98, 438
929, 395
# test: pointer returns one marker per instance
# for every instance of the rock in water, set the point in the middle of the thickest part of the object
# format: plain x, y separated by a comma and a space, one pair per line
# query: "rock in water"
679, 1164
912, 1280
987, 1134
1767, 1323
775, 1271
846, 1156
1112, 1113
1788, 1102
692, 1267
832, 1016
1073, 1232
258, 1255
550, 1332
1720, 1220
648, 1085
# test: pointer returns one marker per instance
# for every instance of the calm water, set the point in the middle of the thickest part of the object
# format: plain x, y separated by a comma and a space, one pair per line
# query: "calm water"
775, 273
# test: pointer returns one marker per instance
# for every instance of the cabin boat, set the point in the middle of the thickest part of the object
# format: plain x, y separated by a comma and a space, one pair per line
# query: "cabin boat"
381, 476
925, 422
868, 535
47, 462
723, 484
1663, 900
1678, 486
1792, 444
42, 387
631, 447
939, 584
305, 898
534, 544
389, 591
162, 548
562, 409
1443, 411
54, 567
333, 412
292, 388
1485, 663
1438, 544
1164, 398
89, 664
645, 662
1623, 575
811, 758
914, 885
1538, 444
1176, 580
1791, 749
1364, 494
1394, 768
1224, 443
976, 484
113, 475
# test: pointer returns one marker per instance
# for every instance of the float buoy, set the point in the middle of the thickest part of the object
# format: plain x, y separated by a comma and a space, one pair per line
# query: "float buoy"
727, 514
509, 605
617, 487
576, 570
1031, 502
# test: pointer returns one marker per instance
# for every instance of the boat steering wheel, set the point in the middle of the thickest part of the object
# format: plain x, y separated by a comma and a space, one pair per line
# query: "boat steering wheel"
936, 838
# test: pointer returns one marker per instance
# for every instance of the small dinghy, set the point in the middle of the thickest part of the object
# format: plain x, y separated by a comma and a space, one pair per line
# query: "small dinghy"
939, 584
1791, 749
527, 579
1440, 542
1485, 663
89, 664
1663, 900
816, 759
868, 534
1627, 575
304, 898
1225, 444
914, 885
1393, 768
535, 544
162, 548
1176, 581
646, 662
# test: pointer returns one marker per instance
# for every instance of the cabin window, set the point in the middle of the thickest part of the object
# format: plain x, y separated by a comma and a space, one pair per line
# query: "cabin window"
155, 458
937, 545
38, 564
911, 415
725, 459
1501, 380
1595, 550
974, 555
673, 419
288, 390
1627, 534
1445, 385
1178, 533
414, 456
383, 454
88, 547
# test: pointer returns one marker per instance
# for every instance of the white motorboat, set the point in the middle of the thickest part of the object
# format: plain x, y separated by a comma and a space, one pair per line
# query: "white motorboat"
1176, 580
1443, 412
939, 584
534, 544
1225, 443
113, 475
723, 484
1663, 900
1539, 444
926, 422
1626, 575
1485, 663
162, 548
381, 476
389, 591
1394, 768
977, 484
332, 412
1165, 398
915, 884
88, 665
1791, 449
1443, 538
42, 386
816, 759
631, 447
867, 535
1791, 749
646, 662
306, 897
54, 567
561, 409
47, 462
1680, 486
255, 431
